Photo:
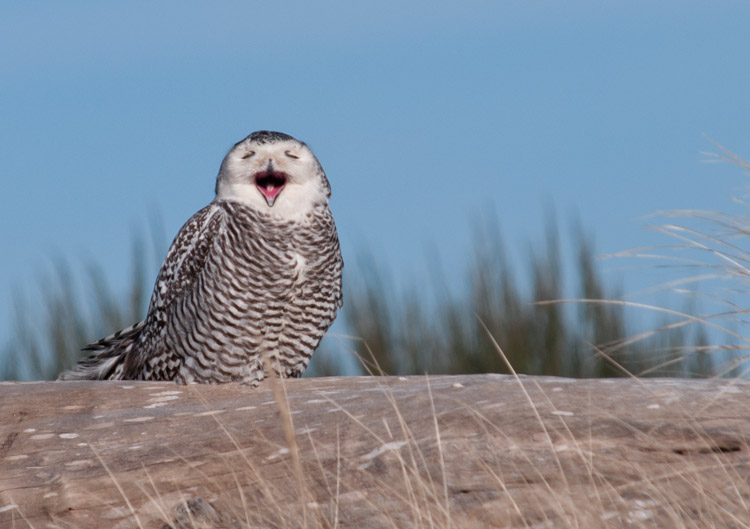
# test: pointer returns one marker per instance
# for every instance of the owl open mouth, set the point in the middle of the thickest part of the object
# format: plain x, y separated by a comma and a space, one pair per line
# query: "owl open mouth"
270, 184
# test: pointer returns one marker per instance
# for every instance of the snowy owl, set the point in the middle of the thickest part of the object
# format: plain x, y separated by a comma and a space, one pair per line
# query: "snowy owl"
251, 281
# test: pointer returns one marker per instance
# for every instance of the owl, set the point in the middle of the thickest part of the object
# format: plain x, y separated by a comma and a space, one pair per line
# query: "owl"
250, 283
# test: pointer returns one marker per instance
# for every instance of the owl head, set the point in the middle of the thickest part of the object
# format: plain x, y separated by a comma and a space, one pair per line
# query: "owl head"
273, 173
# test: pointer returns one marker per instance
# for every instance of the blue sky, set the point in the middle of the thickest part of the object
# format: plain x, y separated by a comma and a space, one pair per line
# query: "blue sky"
423, 114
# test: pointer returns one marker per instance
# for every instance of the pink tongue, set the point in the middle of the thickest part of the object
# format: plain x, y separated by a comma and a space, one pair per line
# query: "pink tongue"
270, 191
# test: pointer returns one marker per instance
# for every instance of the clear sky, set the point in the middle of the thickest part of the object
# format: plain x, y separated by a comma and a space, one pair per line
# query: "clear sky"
423, 114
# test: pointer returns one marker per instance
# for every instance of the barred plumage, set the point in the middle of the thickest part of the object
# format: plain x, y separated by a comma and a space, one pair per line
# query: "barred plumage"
252, 280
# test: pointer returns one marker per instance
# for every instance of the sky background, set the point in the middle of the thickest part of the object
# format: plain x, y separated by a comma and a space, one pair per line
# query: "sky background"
424, 114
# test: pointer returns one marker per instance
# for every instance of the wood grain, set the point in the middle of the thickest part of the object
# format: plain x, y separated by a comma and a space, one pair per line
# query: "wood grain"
446, 451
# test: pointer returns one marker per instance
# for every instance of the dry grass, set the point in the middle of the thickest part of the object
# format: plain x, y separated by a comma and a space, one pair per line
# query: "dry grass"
535, 464
455, 463
561, 479
710, 256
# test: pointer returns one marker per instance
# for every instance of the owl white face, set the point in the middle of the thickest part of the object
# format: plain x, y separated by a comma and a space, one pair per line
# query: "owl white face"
273, 173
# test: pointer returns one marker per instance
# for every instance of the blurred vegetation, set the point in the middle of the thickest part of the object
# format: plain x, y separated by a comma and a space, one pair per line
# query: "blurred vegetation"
402, 332
413, 331
75, 306
591, 335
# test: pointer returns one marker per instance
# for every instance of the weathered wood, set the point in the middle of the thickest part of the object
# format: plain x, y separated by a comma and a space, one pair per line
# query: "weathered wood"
460, 451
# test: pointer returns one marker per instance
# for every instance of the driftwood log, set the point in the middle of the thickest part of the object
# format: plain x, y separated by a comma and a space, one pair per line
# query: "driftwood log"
366, 452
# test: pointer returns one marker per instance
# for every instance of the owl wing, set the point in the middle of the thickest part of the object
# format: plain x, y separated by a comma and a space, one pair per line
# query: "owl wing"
186, 257
183, 265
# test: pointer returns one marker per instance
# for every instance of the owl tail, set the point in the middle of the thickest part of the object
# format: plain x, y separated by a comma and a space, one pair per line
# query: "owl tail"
108, 354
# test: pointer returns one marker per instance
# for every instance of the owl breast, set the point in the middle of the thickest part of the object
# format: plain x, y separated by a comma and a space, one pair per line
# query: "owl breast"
265, 298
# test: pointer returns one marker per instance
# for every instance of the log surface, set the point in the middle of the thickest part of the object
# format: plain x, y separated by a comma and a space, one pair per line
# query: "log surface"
444, 451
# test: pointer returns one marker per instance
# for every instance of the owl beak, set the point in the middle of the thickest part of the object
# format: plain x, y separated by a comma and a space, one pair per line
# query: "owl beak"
270, 184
